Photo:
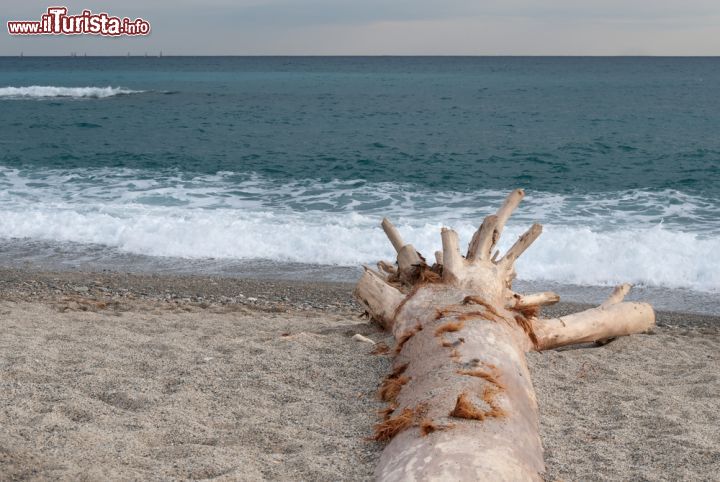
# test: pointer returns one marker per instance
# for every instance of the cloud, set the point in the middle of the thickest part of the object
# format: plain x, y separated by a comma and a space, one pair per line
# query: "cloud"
347, 11
482, 27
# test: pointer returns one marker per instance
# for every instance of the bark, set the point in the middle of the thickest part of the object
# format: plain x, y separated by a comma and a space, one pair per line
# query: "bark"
461, 401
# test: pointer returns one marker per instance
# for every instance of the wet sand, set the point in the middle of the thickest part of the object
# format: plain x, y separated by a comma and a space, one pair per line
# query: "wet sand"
110, 376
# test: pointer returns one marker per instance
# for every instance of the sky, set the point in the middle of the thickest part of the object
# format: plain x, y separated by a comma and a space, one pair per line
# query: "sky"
386, 27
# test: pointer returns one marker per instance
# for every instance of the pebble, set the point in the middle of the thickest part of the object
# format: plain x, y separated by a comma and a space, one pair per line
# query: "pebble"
199, 291
361, 338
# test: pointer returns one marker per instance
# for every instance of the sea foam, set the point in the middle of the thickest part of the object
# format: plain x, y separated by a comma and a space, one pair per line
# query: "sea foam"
667, 239
47, 91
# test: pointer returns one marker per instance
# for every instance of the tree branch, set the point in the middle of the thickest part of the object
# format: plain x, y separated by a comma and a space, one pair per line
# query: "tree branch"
505, 211
483, 239
534, 299
617, 295
393, 234
520, 246
452, 259
594, 324
380, 299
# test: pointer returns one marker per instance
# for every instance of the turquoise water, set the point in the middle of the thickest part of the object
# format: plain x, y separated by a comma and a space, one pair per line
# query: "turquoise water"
253, 162
551, 124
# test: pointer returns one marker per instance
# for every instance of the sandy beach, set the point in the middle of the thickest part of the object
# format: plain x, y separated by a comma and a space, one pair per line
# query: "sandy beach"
108, 376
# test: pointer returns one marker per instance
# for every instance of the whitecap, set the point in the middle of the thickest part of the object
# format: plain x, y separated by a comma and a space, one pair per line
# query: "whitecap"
667, 238
48, 91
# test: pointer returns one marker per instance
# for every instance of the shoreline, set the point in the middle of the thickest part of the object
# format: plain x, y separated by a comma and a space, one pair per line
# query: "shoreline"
38, 285
157, 377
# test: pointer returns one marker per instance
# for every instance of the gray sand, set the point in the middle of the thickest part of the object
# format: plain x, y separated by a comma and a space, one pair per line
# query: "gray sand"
188, 395
645, 407
146, 378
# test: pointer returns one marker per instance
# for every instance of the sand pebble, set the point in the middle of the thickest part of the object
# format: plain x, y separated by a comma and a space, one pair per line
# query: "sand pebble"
359, 337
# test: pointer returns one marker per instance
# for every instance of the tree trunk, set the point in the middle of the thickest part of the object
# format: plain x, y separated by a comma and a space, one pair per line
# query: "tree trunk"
461, 401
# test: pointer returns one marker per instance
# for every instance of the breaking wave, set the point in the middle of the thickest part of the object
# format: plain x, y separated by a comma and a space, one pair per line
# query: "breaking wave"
666, 238
43, 92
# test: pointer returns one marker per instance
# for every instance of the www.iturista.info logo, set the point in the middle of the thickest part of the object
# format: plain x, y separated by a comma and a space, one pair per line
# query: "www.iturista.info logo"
56, 21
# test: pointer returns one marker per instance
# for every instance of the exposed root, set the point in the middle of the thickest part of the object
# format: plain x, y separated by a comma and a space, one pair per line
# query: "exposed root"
480, 373
460, 315
399, 370
391, 386
531, 311
477, 300
449, 327
489, 397
417, 276
423, 274
464, 408
471, 315
392, 426
405, 337
380, 349
489, 312
428, 426
527, 327
394, 280
387, 411
389, 268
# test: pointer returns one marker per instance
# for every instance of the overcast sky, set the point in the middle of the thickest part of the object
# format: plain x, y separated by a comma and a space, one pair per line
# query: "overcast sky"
392, 27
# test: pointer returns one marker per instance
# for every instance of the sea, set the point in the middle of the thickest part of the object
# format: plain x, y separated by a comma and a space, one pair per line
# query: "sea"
283, 167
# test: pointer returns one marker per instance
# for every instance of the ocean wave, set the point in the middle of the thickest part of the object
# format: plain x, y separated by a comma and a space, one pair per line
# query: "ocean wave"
120, 187
652, 256
48, 91
666, 239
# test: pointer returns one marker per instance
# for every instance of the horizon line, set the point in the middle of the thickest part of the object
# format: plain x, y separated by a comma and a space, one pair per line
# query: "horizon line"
162, 55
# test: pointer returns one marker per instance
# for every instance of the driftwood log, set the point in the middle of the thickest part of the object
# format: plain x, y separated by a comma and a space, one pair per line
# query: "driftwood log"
461, 401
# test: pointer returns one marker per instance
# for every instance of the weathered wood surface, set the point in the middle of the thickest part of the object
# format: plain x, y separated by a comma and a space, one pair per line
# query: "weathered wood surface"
461, 404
